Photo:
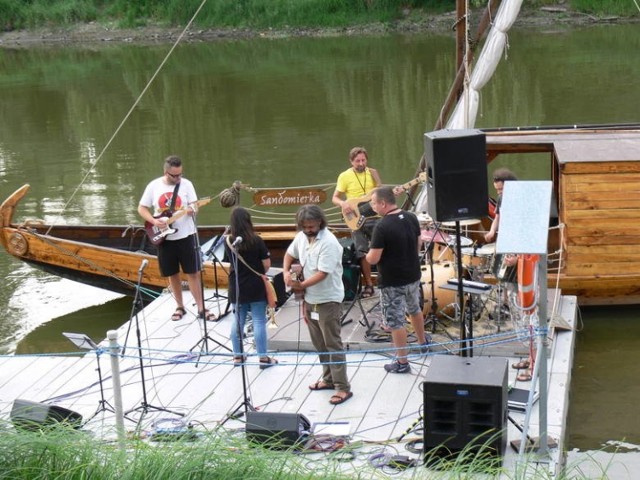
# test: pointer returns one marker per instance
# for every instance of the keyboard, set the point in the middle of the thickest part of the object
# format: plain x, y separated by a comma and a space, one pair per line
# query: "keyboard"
470, 284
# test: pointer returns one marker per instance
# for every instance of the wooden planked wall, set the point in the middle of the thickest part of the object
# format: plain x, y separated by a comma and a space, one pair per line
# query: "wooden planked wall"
600, 206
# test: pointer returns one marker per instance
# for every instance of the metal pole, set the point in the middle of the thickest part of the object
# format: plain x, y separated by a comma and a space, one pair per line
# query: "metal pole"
112, 335
542, 348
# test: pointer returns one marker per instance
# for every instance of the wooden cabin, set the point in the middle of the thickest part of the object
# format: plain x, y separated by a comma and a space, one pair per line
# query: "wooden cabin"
596, 178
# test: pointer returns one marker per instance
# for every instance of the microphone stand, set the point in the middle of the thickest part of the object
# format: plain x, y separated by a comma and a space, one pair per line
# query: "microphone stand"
203, 343
463, 317
145, 406
246, 401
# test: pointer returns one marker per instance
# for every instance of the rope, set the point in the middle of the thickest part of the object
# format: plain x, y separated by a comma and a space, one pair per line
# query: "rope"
128, 114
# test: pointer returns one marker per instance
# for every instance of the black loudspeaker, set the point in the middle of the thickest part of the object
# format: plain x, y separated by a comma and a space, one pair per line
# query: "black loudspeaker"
277, 277
27, 415
456, 174
277, 430
465, 403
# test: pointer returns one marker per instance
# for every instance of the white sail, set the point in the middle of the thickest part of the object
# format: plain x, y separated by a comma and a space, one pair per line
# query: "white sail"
465, 113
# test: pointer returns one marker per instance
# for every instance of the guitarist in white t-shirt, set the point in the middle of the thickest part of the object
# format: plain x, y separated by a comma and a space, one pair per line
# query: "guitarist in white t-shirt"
176, 240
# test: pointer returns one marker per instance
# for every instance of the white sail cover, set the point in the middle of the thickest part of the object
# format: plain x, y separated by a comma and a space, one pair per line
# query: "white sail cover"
465, 113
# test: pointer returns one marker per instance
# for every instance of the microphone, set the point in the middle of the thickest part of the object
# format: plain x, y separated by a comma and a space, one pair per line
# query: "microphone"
143, 265
237, 241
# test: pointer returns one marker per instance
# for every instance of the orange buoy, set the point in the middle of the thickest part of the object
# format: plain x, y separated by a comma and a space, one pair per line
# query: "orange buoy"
527, 266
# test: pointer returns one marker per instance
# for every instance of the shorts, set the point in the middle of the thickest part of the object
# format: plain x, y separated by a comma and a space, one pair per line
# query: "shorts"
174, 254
362, 237
397, 302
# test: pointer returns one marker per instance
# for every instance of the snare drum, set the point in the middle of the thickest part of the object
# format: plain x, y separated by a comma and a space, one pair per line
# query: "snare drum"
441, 273
479, 259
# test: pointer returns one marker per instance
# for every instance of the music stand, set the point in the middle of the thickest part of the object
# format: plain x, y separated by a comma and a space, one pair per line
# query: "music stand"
83, 342
210, 254
203, 343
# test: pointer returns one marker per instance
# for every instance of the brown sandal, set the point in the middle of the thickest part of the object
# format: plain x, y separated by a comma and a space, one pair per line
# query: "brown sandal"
367, 291
267, 362
208, 316
523, 365
320, 385
178, 314
524, 377
337, 399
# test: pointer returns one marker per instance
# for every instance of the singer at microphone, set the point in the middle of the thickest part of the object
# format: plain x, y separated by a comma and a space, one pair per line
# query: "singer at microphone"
143, 265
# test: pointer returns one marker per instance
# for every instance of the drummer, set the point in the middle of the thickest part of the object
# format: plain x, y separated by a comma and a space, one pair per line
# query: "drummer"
500, 176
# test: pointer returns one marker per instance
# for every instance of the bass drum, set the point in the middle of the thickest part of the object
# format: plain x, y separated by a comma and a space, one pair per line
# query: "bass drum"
443, 297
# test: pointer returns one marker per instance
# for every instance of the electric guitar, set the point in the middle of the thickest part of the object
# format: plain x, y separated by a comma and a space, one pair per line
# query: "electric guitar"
361, 209
156, 234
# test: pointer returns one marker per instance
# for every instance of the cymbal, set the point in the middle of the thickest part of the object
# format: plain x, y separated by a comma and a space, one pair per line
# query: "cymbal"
463, 223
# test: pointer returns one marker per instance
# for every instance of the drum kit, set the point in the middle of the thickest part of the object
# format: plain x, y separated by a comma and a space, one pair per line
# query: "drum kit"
440, 266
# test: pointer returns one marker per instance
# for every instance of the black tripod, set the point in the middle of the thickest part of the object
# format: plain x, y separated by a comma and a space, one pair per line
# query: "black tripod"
432, 316
145, 406
246, 400
203, 343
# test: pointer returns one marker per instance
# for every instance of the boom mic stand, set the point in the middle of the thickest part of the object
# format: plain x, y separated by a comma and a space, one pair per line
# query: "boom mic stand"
246, 400
203, 343
145, 406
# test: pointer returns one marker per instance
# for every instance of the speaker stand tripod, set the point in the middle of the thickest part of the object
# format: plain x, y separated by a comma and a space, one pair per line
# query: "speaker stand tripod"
144, 407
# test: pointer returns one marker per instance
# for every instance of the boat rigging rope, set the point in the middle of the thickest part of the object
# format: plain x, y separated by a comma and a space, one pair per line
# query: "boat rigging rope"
128, 114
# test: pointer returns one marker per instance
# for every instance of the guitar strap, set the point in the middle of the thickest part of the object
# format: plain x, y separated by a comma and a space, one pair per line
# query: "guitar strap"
174, 198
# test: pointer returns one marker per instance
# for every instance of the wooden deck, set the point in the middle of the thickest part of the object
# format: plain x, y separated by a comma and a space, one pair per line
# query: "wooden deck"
204, 385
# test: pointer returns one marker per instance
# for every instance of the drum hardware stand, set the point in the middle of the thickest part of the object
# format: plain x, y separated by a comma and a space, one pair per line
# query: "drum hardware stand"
203, 343
432, 317
144, 406
246, 400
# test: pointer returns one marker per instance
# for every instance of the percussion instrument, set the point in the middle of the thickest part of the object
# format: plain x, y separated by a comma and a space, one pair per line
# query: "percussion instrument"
441, 273
463, 223
479, 259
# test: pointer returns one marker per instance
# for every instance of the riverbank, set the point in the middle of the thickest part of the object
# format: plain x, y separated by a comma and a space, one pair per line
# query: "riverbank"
552, 18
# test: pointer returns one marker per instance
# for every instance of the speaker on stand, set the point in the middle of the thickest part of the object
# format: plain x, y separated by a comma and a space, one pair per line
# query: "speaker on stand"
457, 191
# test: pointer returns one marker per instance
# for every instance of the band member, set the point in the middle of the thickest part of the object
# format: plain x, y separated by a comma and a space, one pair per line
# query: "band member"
165, 195
246, 287
395, 250
358, 181
500, 176
320, 255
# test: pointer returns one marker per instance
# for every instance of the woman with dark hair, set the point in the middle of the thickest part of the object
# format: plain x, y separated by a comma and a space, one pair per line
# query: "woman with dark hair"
246, 286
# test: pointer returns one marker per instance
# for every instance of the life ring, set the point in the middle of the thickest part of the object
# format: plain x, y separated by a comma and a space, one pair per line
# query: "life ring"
527, 269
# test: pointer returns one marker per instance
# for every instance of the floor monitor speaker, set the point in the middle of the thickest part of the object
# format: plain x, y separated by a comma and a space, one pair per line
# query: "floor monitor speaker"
465, 403
277, 430
34, 416
456, 175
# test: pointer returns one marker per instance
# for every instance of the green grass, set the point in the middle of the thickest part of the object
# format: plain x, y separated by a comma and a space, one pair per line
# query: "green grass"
17, 14
65, 454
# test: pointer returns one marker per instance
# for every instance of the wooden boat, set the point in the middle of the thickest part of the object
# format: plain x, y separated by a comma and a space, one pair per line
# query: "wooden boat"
593, 248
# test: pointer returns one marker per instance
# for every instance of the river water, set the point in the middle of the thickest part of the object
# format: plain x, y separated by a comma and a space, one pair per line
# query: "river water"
286, 112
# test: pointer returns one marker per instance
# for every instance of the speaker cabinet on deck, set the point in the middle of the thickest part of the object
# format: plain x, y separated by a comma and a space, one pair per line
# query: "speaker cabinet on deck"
456, 174
34, 416
276, 430
465, 403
